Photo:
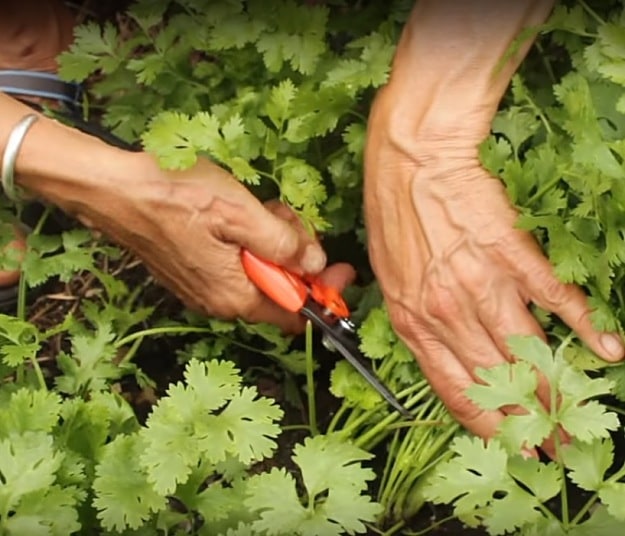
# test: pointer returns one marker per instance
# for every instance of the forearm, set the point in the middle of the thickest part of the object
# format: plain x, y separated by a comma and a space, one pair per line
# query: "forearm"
448, 72
70, 169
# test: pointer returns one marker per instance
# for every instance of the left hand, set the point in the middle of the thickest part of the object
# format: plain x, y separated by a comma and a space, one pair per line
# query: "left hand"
456, 274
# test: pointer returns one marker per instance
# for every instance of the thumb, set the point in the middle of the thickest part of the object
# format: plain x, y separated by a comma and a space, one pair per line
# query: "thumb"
268, 236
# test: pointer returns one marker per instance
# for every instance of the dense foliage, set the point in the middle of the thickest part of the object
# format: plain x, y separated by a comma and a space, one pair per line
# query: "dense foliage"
278, 93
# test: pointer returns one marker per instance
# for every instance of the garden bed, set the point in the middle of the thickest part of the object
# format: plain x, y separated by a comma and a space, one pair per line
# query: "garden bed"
133, 416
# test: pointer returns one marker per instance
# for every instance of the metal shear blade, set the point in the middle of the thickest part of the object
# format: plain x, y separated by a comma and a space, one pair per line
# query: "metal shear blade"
348, 350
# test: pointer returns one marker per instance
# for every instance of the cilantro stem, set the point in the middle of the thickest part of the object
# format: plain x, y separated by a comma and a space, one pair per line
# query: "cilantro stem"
377, 432
269, 176
358, 115
584, 509
593, 499
166, 330
564, 496
337, 417
131, 351
21, 303
591, 12
615, 409
432, 526
21, 290
388, 467
419, 451
310, 381
546, 63
539, 113
389, 532
295, 427
542, 191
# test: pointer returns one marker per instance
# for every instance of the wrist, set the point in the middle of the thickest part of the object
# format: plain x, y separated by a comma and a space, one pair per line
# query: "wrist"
79, 173
428, 135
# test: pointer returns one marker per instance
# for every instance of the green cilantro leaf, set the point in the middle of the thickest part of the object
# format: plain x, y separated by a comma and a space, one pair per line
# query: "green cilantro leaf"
588, 421
544, 480
90, 366
301, 184
347, 383
181, 429
294, 34
78, 254
479, 485
93, 48
278, 107
506, 384
19, 340
333, 492
28, 410
123, 496
588, 462
245, 428
538, 353
601, 523
612, 495
377, 337
514, 384
516, 124
28, 467
167, 137
616, 375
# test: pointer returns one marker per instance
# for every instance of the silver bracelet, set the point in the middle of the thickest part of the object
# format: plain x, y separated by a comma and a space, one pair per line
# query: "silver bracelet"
11, 151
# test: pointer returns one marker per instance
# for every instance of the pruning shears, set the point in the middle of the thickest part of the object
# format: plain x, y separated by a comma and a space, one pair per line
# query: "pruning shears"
324, 307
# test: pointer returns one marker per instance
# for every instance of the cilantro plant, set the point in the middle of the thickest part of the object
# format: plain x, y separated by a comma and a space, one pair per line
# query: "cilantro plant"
271, 91
278, 93
494, 485
557, 145
71, 465
412, 447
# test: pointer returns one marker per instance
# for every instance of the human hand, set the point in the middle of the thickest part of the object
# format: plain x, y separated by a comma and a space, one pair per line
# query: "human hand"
456, 274
189, 227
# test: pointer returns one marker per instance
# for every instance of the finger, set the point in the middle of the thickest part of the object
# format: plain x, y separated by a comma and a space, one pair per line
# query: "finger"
283, 211
339, 275
450, 315
508, 315
467, 336
450, 380
255, 228
571, 305
269, 312
306, 237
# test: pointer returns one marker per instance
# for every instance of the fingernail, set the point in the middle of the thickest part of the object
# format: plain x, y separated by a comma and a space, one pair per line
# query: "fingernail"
313, 260
612, 345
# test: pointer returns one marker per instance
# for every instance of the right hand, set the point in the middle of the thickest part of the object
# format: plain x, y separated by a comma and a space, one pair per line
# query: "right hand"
189, 227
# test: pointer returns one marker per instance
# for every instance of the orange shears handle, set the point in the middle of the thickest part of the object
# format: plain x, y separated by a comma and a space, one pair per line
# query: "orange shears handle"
286, 289
289, 290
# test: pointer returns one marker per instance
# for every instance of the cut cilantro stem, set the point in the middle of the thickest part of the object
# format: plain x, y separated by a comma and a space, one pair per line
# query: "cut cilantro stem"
310, 381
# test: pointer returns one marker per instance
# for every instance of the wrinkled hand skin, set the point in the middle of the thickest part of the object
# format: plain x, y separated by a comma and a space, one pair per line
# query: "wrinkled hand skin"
189, 227
456, 274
